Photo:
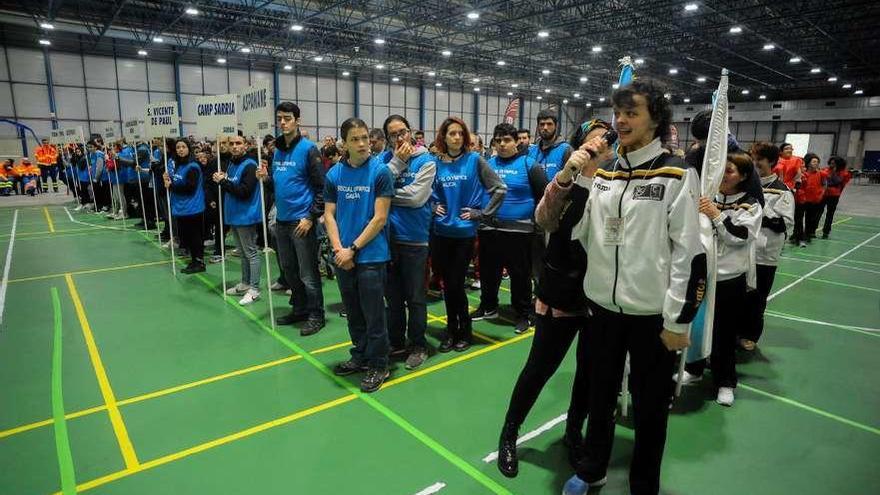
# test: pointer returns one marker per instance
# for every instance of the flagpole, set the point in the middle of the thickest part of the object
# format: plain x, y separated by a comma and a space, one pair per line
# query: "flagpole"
168, 217
137, 169
265, 234
155, 196
82, 138
221, 234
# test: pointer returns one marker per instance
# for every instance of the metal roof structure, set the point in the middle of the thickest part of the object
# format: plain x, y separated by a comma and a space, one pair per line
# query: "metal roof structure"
795, 49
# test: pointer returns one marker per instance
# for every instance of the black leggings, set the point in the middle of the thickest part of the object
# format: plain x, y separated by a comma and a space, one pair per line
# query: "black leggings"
756, 302
190, 232
553, 337
730, 297
450, 257
830, 205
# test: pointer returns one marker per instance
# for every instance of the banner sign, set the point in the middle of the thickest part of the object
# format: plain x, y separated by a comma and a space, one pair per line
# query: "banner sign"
162, 120
256, 111
216, 115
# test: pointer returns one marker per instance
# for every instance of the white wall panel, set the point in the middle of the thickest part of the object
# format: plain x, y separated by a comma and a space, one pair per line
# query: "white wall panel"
308, 113
133, 103
344, 111
365, 92
307, 85
345, 93
429, 98
287, 87
67, 69
380, 113
442, 100
366, 114
188, 107
6, 100
380, 94
324, 131
191, 79
161, 76
412, 96
238, 80
215, 80
327, 114
261, 76
31, 100
100, 72
326, 89
157, 96
27, 65
397, 111
41, 128
412, 115
70, 103
132, 73
103, 104
398, 92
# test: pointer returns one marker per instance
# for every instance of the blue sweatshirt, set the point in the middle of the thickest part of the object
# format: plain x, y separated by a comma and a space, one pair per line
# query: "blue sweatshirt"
241, 202
185, 201
354, 191
298, 180
551, 156
519, 202
460, 184
410, 216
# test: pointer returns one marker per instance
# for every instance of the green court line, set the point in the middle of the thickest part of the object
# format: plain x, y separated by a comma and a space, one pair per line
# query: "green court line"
830, 282
62, 442
814, 410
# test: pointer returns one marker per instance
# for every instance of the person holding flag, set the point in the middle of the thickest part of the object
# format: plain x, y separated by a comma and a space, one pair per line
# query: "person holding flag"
644, 281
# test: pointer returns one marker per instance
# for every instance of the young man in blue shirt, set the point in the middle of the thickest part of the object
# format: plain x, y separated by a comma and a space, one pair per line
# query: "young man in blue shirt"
357, 195
298, 183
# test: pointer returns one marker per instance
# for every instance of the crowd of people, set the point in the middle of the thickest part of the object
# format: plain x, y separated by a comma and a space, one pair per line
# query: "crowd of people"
598, 235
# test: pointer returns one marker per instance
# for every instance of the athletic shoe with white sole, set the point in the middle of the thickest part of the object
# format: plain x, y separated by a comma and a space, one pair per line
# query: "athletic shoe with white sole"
238, 289
249, 297
687, 378
725, 396
577, 486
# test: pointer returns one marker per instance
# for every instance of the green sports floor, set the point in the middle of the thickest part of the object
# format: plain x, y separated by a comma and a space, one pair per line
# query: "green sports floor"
118, 377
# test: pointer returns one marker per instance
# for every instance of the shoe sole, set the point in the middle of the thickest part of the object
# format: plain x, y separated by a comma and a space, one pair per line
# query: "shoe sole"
488, 316
375, 388
348, 372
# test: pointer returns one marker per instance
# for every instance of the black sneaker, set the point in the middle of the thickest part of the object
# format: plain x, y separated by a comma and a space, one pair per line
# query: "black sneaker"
374, 379
290, 319
522, 325
194, 267
482, 313
446, 345
312, 326
398, 352
462, 345
349, 367
416, 358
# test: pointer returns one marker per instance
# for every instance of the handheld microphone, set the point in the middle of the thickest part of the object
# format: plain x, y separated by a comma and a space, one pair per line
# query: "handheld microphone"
609, 137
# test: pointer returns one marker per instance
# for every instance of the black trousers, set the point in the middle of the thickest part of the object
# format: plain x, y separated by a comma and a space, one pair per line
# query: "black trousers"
512, 250
756, 302
450, 257
730, 297
189, 229
553, 337
830, 206
800, 211
812, 214
85, 196
610, 335
102, 194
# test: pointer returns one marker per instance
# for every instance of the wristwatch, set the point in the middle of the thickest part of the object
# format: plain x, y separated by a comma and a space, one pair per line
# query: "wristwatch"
354, 248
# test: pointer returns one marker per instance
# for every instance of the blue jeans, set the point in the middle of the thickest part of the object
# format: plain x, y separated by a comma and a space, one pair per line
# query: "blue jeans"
246, 238
362, 290
407, 305
298, 257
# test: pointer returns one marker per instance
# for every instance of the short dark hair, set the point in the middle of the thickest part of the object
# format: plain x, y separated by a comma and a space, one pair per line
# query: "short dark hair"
524, 130
504, 129
350, 124
763, 149
419, 132
376, 133
783, 145
659, 106
440, 139
700, 124
288, 107
837, 162
268, 138
547, 114
390, 119
809, 156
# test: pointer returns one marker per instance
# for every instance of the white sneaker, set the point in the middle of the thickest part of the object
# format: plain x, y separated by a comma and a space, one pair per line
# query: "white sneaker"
216, 259
475, 285
277, 286
78, 208
725, 396
238, 290
687, 378
250, 296
289, 292
167, 245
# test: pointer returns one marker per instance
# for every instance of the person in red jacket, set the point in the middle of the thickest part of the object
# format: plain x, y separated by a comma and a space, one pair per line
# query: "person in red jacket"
789, 167
808, 201
836, 178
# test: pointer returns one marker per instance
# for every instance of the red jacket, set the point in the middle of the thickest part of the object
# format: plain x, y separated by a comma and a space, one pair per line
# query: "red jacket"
835, 181
811, 189
787, 169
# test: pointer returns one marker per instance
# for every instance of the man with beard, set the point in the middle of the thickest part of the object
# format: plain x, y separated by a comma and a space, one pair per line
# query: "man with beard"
551, 151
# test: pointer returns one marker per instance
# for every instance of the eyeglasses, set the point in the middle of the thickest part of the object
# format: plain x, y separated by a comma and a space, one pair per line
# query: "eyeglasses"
398, 134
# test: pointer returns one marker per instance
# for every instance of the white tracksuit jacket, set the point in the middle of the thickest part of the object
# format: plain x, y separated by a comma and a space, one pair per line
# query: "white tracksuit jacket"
737, 227
778, 218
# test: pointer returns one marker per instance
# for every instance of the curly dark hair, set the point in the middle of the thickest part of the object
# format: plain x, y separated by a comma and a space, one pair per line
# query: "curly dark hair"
659, 107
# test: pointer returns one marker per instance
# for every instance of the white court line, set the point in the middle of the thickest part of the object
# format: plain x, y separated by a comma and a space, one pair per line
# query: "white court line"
7, 266
436, 487
817, 322
839, 265
109, 227
530, 435
822, 267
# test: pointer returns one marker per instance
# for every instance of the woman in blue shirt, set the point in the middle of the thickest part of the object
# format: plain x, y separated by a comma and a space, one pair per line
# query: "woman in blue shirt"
183, 180
463, 178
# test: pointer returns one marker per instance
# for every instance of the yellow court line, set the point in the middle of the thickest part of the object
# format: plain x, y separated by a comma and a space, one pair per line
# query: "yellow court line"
289, 418
442, 319
128, 453
94, 270
172, 390
49, 220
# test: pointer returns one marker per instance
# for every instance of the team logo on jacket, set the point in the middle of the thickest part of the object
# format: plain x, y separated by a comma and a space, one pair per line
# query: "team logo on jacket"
653, 192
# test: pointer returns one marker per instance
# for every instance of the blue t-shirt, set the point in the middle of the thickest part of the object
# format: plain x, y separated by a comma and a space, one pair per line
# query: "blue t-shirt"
126, 174
354, 191
551, 159
519, 204
186, 204
458, 186
241, 212
290, 175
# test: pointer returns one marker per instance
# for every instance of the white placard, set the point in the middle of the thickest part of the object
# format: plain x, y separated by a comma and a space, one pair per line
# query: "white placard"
73, 135
108, 132
162, 120
56, 136
216, 115
256, 110
131, 129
